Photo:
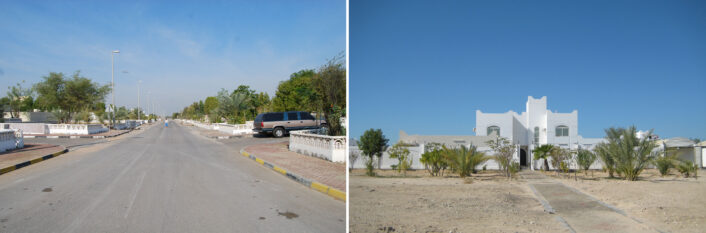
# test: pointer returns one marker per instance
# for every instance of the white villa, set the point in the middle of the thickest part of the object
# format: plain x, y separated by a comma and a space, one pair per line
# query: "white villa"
536, 126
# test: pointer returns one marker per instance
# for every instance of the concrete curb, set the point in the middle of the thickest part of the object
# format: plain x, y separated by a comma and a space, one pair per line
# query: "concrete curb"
325, 189
30, 162
76, 136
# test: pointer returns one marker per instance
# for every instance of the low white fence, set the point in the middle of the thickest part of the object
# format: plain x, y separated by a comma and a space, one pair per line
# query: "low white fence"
238, 129
235, 129
331, 148
27, 128
11, 139
76, 129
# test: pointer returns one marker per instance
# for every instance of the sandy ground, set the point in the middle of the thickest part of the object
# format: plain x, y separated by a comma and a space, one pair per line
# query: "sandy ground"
671, 203
484, 203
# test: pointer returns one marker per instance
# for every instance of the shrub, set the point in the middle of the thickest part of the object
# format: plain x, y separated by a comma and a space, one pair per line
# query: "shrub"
663, 164
401, 153
433, 159
686, 168
463, 160
585, 159
514, 168
504, 151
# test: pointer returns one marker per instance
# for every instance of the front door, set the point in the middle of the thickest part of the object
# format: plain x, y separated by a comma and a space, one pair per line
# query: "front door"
523, 157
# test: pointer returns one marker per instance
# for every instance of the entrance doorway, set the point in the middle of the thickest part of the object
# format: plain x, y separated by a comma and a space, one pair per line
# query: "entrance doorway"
523, 157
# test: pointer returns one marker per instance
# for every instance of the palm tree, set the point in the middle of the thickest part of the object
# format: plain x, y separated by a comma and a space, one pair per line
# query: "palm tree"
463, 160
630, 154
542, 152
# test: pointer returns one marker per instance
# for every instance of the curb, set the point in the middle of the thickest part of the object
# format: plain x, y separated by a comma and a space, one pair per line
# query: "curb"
30, 162
325, 189
76, 136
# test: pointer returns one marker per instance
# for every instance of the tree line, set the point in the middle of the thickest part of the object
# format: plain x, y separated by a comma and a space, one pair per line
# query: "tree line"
320, 91
70, 99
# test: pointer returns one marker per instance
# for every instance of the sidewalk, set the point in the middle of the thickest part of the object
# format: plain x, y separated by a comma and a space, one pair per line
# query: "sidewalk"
578, 211
30, 154
314, 169
111, 133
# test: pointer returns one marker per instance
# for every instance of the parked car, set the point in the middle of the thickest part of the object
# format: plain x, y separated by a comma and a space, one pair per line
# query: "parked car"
280, 123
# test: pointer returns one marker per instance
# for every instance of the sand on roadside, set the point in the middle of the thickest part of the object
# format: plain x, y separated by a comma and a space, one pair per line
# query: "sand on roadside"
485, 202
670, 203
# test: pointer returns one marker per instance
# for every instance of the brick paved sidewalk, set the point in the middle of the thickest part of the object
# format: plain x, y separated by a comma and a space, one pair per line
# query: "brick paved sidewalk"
29, 152
319, 170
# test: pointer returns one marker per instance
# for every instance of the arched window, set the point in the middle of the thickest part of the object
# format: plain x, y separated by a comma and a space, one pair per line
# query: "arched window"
493, 129
562, 131
536, 135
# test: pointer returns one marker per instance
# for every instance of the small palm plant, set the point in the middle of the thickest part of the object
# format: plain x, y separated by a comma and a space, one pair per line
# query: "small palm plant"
664, 163
542, 152
585, 159
686, 168
463, 160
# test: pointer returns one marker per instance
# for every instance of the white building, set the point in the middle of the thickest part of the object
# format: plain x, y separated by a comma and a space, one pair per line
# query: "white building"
536, 126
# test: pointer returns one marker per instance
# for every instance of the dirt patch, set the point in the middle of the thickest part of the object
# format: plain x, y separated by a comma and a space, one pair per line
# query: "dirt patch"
670, 203
485, 202
288, 215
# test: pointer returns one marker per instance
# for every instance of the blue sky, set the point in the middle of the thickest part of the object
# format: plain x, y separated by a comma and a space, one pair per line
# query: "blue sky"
182, 51
426, 66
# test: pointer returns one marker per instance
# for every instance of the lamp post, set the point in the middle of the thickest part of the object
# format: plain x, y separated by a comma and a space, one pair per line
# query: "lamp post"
112, 82
138, 99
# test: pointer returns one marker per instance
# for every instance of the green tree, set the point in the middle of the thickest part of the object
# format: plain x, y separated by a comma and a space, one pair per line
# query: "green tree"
400, 152
463, 160
69, 95
504, 151
296, 93
210, 105
330, 83
373, 143
19, 99
542, 152
559, 158
433, 159
231, 105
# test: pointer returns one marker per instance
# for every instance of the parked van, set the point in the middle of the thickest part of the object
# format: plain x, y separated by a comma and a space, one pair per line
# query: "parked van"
280, 123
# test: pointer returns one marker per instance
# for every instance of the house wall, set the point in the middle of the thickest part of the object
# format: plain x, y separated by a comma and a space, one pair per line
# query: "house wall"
502, 120
557, 119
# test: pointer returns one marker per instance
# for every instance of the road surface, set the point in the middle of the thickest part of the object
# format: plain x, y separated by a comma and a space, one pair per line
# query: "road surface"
161, 180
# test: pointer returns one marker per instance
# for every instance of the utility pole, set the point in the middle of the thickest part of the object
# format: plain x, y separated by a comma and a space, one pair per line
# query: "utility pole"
112, 82
138, 100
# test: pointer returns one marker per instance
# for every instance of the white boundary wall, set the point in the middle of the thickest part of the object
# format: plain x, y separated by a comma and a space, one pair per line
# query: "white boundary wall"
331, 148
27, 128
238, 129
11, 139
76, 129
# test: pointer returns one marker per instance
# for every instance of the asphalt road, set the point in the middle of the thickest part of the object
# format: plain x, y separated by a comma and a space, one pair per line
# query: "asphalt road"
161, 180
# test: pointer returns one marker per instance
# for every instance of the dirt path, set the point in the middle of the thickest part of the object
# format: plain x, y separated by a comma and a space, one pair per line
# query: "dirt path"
579, 211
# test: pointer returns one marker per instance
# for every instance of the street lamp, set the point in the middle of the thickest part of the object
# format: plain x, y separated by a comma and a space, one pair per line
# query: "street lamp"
138, 100
112, 82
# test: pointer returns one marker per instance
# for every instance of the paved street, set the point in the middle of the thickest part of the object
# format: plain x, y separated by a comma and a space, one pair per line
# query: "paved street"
161, 180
